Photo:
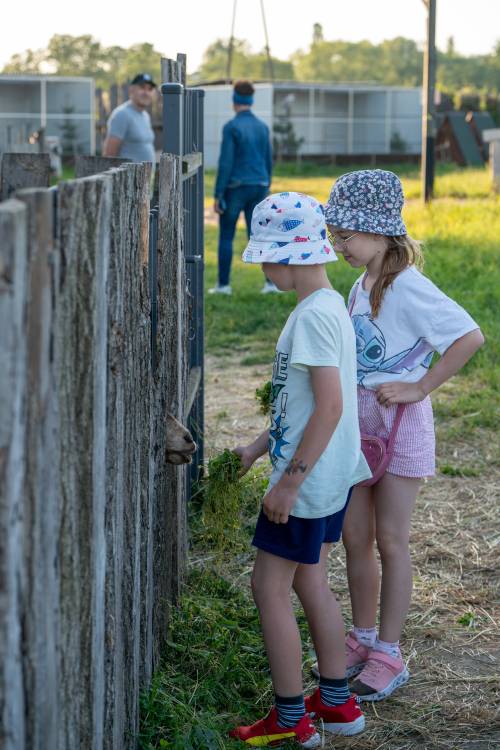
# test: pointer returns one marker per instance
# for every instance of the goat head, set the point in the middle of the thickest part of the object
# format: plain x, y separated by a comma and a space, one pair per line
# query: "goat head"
180, 443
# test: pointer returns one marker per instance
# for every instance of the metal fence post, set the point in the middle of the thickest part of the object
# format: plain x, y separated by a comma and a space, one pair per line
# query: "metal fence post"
173, 118
183, 136
199, 194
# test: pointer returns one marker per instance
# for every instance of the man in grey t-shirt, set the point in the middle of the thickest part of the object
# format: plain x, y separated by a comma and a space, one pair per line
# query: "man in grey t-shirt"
129, 132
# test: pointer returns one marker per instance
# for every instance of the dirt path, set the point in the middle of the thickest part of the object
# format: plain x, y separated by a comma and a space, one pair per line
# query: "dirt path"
451, 638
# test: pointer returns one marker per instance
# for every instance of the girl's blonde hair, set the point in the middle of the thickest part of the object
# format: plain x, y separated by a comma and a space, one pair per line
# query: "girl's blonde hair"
402, 251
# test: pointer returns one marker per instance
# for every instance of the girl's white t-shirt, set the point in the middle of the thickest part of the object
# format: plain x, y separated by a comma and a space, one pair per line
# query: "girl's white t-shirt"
318, 333
415, 320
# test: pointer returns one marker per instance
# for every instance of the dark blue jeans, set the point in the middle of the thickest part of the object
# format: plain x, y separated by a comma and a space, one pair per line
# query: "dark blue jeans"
238, 199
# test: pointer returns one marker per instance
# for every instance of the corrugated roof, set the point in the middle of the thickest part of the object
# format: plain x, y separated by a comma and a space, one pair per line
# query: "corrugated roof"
341, 86
483, 121
465, 139
21, 78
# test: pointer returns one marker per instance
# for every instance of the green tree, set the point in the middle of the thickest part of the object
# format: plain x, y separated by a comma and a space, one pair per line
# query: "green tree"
75, 55
456, 71
401, 62
285, 141
393, 62
396, 61
68, 134
68, 55
318, 33
28, 62
141, 58
244, 64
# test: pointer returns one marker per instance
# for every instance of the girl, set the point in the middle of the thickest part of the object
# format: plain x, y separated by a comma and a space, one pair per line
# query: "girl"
400, 319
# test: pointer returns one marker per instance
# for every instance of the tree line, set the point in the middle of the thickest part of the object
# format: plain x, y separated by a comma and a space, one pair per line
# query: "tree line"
395, 62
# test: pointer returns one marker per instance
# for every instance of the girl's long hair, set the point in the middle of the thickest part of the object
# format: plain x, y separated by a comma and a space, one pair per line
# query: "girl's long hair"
402, 251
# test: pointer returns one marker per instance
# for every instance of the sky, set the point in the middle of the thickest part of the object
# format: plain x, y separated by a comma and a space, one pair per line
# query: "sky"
191, 25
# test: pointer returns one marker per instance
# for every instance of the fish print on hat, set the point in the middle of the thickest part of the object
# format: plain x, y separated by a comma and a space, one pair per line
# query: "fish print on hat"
301, 218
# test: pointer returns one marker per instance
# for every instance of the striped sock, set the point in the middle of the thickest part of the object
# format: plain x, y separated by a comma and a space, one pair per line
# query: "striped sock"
333, 692
289, 710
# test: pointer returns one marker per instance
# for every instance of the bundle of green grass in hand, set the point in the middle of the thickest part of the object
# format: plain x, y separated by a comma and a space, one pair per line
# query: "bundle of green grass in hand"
263, 396
224, 495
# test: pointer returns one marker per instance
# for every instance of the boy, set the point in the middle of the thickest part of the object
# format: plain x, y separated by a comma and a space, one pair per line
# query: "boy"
315, 451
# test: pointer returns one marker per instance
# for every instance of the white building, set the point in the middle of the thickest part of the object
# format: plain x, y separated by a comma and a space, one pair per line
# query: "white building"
60, 106
333, 119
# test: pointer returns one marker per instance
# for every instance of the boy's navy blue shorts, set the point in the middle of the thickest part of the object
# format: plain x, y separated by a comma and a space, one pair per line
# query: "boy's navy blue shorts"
299, 539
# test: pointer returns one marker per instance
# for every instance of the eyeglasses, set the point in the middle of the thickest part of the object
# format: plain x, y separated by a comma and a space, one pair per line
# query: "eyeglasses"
339, 241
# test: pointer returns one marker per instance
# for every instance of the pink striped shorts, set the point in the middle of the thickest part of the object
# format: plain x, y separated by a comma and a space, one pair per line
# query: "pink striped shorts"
415, 446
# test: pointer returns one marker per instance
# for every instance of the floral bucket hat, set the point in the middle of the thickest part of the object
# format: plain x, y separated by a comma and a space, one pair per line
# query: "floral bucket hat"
368, 200
289, 228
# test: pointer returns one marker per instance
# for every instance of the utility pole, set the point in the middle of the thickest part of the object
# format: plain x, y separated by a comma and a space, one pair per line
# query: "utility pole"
231, 46
268, 49
428, 118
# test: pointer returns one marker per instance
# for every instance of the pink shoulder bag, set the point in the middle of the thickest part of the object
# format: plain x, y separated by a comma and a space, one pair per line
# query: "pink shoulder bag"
377, 451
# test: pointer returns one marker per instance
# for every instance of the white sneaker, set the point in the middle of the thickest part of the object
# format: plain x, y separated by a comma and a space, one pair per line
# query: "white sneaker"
269, 288
225, 289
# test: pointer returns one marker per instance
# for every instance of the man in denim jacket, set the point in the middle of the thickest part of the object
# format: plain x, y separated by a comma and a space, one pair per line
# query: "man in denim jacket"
243, 177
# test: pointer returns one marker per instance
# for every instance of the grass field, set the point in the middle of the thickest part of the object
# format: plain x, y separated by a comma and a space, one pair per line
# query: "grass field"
462, 253
215, 672
450, 181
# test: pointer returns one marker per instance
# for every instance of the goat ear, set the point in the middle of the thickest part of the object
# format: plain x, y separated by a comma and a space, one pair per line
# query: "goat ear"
170, 418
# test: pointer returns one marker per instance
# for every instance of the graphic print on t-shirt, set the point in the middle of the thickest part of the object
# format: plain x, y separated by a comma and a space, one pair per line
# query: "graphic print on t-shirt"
371, 350
279, 398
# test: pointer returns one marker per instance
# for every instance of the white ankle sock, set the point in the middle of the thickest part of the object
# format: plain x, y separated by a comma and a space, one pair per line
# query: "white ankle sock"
366, 636
391, 649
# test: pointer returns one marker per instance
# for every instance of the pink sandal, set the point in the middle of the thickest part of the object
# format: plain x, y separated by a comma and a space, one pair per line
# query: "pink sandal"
356, 657
380, 677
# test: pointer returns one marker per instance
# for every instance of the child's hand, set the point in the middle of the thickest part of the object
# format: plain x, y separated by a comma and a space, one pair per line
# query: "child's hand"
278, 503
246, 456
400, 393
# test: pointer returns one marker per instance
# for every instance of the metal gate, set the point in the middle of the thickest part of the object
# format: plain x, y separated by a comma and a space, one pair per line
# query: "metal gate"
183, 136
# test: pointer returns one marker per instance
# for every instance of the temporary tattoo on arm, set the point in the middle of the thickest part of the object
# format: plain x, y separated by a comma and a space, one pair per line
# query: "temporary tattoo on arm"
295, 466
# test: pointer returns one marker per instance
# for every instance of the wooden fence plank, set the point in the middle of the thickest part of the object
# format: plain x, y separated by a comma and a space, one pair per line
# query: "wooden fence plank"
13, 288
172, 357
86, 166
18, 171
81, 349
191, 164
128, 522
41, 496
171, 71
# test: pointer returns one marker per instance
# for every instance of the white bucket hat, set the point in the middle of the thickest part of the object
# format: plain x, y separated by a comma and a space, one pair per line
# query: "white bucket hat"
289, 228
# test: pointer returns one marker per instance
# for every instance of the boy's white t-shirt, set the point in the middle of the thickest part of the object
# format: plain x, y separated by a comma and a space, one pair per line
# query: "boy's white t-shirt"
318, 333
415, 320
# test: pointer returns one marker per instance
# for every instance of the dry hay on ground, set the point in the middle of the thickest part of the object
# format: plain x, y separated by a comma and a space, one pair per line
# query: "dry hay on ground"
451, 638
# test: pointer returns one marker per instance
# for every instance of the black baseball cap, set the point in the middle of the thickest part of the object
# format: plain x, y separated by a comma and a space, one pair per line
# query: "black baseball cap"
143, 78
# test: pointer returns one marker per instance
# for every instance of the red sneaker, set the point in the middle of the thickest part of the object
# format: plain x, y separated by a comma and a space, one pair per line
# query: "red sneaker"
346, 719
267, 733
